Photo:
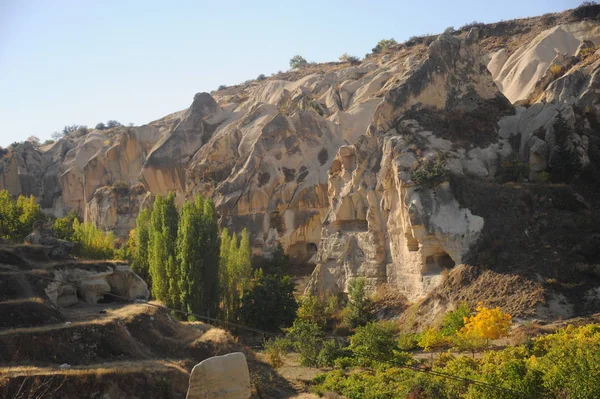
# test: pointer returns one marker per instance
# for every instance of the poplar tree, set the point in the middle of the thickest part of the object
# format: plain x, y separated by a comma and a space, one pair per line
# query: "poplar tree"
141, 240
198, 257
162, 261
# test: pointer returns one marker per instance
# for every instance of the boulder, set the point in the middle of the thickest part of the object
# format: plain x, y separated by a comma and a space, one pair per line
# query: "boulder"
220, 377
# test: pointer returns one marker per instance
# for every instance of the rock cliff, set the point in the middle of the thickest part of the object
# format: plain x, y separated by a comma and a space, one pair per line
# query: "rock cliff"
398, 169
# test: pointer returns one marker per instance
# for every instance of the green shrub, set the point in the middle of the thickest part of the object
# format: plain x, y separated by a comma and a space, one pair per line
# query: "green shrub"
374, 341
542, 177
312, 309
329, 353
358, 310
430, 172
408, 341
91, 242
297, 62
63, 227
455, 320
307, 339
261, 77
17, 217
275, 349
512, 169
350, 59
383, 45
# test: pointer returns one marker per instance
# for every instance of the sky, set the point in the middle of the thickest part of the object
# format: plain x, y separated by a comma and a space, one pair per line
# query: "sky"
65, 62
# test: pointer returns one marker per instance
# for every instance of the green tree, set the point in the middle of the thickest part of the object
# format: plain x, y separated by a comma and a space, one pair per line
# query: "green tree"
358, 311
17, 217
374, 342
269, 302
432, 340
162, 259
455, 320
236, 272
383, 45
298, 61
307, 339
197, 255
63, 227
91, 242
141, 240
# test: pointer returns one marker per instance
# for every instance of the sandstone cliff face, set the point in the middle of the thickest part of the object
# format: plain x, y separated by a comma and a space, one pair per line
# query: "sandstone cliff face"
324, 159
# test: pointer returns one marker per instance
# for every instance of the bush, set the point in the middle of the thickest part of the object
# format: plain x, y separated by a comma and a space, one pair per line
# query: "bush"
17, 217
100, 126
556, 71
221, 87
34, 140
329, 353
91, 242
408, 341
63, 227
307, 339
261, 77
455, 320
49, 141
112, 123
297, 62
474, 24
542, 177
269, 302
383, 45
3, 152
349, 58
449, 30
358, 310
373, 342
430, 172
513, 169
312, 309
587, 9
275, 349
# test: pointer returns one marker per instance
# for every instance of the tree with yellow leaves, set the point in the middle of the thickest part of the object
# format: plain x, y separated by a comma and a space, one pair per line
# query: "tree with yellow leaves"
488, 323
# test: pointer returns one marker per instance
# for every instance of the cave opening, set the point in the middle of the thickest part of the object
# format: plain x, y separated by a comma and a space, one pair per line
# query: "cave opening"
434, 264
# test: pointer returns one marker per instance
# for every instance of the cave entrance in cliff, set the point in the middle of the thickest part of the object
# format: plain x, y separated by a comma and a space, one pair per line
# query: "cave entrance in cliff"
436, 263
108, 299
311, 248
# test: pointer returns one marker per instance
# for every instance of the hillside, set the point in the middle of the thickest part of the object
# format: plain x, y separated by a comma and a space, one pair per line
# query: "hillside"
459, 166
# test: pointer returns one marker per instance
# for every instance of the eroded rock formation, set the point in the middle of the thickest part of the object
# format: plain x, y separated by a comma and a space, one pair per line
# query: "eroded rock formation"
355, 167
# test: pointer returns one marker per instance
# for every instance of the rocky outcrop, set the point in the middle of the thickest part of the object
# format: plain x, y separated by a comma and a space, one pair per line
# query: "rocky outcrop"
353, 167
91, 282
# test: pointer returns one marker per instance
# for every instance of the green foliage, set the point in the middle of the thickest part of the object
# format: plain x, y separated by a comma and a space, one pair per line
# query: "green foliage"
261, 77
569, 361
297, 62
563, 162
513, 169
63, 227
312, 309
330, 351
235, 271
269, 302
383, 45
432, 340
307, 339
543, 177
408, 341
140, 246
587, 9
91, 242
162, 250
430, 172
358, 310
17, 216
198, 258
350, 59
455, 320
374, 342
275, 349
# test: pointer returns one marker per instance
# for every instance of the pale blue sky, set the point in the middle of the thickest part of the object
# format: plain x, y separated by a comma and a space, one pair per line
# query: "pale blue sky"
77, 61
